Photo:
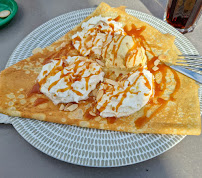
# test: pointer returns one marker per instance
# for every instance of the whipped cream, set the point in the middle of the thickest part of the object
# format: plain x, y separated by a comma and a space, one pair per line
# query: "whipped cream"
126, 97
118, 27
69, 80
102, 36
96, 33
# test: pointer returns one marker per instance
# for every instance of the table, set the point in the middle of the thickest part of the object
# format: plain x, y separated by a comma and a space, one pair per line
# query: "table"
19, 159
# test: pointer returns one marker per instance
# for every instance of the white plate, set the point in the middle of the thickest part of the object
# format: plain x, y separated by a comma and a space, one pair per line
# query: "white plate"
83, 146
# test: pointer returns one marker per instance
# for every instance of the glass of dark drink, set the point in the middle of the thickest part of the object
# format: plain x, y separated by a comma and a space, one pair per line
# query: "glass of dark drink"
183, 14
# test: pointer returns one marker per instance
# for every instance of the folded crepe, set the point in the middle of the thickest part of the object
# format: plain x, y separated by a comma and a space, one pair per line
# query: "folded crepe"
176, 110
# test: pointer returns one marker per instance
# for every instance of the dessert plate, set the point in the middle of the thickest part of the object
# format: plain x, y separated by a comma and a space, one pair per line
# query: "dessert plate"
84, 146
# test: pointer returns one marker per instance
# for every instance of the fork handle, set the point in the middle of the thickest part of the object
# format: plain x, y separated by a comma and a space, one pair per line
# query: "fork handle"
197, 77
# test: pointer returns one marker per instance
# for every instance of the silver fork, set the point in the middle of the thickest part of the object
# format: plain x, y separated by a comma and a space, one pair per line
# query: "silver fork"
189, 65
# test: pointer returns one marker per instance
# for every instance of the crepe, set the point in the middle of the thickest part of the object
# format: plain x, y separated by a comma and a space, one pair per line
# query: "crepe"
179, 115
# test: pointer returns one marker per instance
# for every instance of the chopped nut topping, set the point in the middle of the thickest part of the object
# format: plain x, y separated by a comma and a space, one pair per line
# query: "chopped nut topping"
100, 62
62, 107
67, 105
155, 68
94, 92
71, 107
110, 88
99, 95
63, 44
101, 22
123, 78
94, 109
88, 44
91, 66
88, 41
156, 62
92, 113
121, 84
112, 82
105, 87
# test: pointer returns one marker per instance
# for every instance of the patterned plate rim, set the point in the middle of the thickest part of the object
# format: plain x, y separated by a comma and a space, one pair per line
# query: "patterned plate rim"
179, 37
14, 123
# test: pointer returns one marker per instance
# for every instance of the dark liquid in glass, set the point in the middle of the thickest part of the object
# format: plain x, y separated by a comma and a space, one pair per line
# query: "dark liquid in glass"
183, 13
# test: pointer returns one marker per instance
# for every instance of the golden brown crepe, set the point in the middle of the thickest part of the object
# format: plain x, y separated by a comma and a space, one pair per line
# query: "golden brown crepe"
177, 113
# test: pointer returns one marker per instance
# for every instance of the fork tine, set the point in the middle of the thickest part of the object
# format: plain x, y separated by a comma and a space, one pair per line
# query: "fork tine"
193, 68
191, 56
189, 62
188, 55
193, 62
192, 59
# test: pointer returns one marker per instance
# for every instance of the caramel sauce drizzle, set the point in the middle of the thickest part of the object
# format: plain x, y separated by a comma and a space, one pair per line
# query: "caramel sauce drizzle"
35, 90
159, 88
147, 84
131, 52
93, 105
39, 101
93, 37
128, 89
77, 92
119, 77
115, 48
77, 39
102, 108
75, 76
112, 26
117, 18
106, 37
55, 69
134, 30
111, 120
88, 115
159, 91
45, 72
106, 50
62, 52
89, 38
63, 89
118, 46
146, 94
96, 31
